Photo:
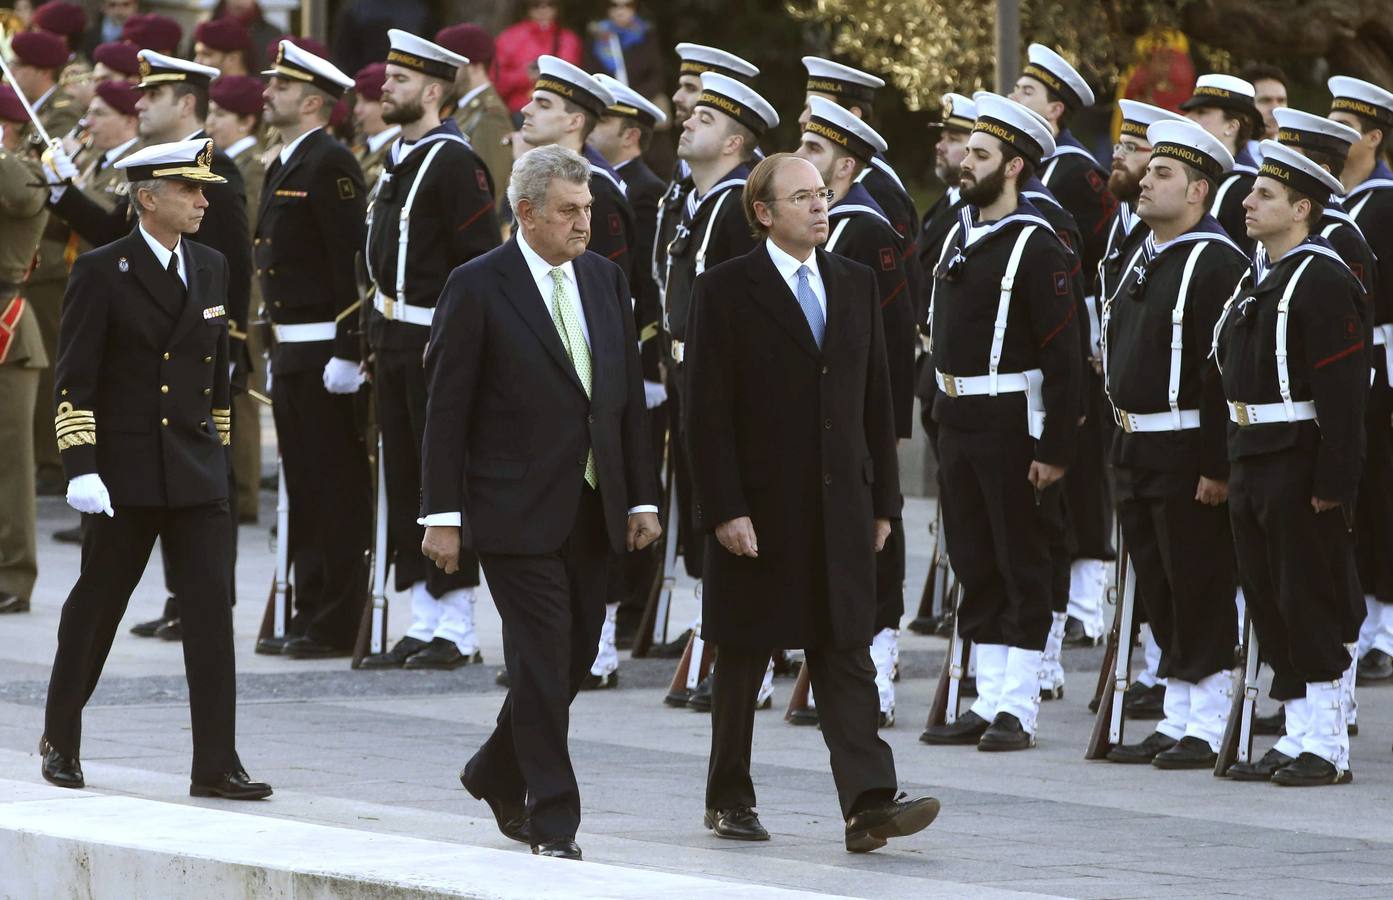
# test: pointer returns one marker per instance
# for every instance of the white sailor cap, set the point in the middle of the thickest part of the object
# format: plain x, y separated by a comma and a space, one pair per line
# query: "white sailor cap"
839, 126
1297, 172
1368, 101
737, 100
1189, 143
843, 83
157, 69
1138, 117
959, 112
629, 103
573, 83
1055, 73
1225, 92
181, 160
1305, 131
298, 64
1009, 122
698, 59
421, 55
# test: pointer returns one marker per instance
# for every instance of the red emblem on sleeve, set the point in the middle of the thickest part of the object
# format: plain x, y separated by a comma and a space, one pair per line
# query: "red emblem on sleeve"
1096, 182
482, 180
616, 225
887, 259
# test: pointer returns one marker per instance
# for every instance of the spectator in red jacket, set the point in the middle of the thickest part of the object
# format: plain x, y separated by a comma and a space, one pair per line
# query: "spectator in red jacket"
521, 44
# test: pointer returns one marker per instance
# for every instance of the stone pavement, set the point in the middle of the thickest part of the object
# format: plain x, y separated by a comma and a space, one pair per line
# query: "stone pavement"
379, 752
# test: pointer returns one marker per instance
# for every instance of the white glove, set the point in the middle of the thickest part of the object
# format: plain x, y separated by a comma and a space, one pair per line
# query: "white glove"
58, 167
87, 494
341, 376
654, 394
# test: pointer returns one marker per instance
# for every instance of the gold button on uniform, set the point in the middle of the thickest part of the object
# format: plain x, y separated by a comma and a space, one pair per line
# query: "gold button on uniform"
164, 389
164, 422
207, 391
207, 359
166, 357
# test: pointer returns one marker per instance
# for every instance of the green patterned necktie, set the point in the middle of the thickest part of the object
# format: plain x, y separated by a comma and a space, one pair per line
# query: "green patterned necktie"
567, 322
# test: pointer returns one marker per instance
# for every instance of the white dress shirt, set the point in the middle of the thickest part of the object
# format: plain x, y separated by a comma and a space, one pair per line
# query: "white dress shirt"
540, 270
788, 270
474, 92
163, 254
289, 149
375, 141
116, 153
240, 145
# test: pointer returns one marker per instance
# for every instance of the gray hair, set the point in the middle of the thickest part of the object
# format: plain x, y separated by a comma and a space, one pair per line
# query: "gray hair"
153, 185
534, 171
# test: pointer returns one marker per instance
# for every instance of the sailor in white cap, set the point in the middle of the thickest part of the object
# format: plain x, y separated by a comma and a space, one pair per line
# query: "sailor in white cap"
1007, 414
1169, 452
309, 231
1293, 483
1368, 184
432, 211
1049, 86
841, 145
144, 341
567, 103
1225, 106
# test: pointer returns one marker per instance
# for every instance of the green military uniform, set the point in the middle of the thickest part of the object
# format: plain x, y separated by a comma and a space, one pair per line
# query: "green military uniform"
484, 119
371, 161
59, 113
22, 358
246, 437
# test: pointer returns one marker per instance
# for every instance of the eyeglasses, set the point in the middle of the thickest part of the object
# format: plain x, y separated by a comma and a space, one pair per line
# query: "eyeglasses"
1129, 147
805, 198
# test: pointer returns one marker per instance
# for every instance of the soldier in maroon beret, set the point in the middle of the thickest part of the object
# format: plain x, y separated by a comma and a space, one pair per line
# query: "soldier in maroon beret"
152, 31
116, 61
67, 20
223, 44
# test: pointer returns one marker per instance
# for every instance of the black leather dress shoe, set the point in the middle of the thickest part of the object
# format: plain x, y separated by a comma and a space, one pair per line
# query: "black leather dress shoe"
967, 687
1188, 753
231, 786
173, 630
1273, 724
1309, 770
1005, 733
69, 535
869, 829
511, 816
60, 770
1142, 753
148, 629
309, 648
700, 701
923, 625
396, 657
805, 716
9, 603
442, 653
1261, 770
739, 823
557, 850
274, 646
673, 649
1075, 635
1144, 702
593, 682
1374, 666
967, 730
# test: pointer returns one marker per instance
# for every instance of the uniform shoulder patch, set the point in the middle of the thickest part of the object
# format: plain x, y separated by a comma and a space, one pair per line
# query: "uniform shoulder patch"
1061, 284
887, 259
346, 189
481, 179
616, 224
1096, 181
1358, 270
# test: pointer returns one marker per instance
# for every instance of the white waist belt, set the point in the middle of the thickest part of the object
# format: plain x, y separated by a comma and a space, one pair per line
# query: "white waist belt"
1030, 383
1161, 421
397, 311
301, 334
1271, 413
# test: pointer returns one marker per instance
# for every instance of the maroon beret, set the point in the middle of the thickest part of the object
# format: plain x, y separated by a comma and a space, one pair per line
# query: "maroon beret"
240, 94
226, 34
304, 43
61, 17
40, 49
152, 31
369, 80
339, 114
468, 40
119, 95
11, 109
119, 56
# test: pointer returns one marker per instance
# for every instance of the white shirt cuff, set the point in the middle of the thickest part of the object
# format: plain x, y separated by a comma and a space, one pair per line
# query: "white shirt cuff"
445, 518
55, 192
642, 509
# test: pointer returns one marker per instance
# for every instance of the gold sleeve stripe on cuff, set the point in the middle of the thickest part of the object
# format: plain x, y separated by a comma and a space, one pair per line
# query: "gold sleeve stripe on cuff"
71, 427
68, 441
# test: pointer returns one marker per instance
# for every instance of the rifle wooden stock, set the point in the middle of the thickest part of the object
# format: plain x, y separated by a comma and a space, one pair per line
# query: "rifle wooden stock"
1237, 743
653, 624
276, 620
372, 626
944, 710
1115, 673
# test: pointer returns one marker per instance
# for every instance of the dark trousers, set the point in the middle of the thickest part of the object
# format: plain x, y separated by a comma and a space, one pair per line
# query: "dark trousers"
552, 607
1088, 486
1185, 579
399, 389
171, 603
115, 552
1293, 565
639, 569
999, 535
889, 579
326, 476
1374, 525
848, 710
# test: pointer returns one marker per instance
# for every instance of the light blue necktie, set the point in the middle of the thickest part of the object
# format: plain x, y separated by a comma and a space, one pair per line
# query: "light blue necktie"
812, 310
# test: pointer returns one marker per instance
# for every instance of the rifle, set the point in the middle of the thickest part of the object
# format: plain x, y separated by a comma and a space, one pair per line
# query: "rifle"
653, 624
944, 710
372, 629
1108, 724
1237, 743
273, 622
1105, 670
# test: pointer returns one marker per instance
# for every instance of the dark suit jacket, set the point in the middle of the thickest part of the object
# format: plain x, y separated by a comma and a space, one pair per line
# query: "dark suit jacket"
142, 391
508, 424
800, 440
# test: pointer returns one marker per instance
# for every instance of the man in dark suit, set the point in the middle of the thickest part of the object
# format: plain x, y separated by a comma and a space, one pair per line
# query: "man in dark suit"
537, 458
143, 424
792, 438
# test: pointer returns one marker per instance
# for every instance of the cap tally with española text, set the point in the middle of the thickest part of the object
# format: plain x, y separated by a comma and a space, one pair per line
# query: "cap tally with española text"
838, 125
1297, 172
420, 55
1366, 100
737, 100
843, 83
629, 103
573, 83
1306, 131
698, 59
1013, 124
1055, 73
1138, 117
1189, 143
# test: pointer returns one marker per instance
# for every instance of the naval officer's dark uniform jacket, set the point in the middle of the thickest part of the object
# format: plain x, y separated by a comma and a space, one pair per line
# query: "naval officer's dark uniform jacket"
143, 400
1167, 441
1228, 200
612, 226
441, 191
1294, 563
308, 231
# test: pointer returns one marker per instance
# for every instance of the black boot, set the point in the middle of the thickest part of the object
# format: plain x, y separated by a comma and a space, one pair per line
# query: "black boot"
1309, 770
700, 701
1261, 770
967, 730
1275, 724
1188, 753
394, 658
1144, 752
1144, 702
1006, 733
1374, 667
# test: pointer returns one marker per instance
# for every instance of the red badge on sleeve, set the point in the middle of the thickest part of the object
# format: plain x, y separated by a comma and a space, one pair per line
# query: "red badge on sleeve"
1096, 181
1061, 284
482, 180
616, 224
887, 259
